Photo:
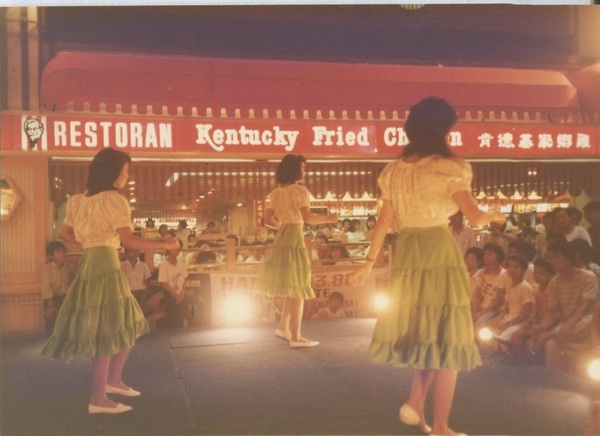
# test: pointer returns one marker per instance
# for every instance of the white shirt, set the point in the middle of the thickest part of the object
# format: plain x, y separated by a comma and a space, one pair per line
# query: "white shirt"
465, 238
579, 232
174, 275
136, 275
56, 281
287, 201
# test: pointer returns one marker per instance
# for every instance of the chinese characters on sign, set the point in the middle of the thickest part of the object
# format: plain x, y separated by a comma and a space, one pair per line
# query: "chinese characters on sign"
343, 138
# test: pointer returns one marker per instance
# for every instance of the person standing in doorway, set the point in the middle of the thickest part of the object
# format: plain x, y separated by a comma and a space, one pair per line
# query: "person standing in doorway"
286, 270
428, 326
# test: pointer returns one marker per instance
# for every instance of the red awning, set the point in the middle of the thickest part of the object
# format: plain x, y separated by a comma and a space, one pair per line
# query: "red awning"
188, 82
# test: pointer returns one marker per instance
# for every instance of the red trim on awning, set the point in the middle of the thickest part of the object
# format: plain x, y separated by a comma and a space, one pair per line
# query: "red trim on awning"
173, 81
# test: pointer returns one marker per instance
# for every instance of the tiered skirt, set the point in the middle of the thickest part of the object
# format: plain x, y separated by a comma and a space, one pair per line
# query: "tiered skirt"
428, 324
286, 269
99, 316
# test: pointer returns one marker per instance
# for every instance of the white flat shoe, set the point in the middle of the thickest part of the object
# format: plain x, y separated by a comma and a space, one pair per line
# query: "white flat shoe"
119, 408
309, 344
125, 392
409, 417
283, 335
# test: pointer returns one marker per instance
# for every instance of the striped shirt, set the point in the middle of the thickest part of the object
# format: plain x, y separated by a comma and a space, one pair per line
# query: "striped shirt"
566, 295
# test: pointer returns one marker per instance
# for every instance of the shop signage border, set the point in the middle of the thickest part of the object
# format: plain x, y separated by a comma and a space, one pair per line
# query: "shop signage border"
65, 134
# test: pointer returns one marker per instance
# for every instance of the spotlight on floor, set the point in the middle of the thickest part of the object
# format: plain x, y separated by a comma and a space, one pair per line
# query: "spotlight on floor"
238, 308
594, 369
381, 302
485, 334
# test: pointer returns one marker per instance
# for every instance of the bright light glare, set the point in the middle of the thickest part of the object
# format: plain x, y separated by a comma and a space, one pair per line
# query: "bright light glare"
594, 369
381, 302
485, 334
238, 308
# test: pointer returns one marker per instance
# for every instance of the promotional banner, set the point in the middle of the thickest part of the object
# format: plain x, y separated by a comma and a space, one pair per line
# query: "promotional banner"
234, 300
214, 138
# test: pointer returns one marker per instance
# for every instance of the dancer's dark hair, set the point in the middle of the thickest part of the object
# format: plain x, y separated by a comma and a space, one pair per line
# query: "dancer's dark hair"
105, 169
289, 169
427, 125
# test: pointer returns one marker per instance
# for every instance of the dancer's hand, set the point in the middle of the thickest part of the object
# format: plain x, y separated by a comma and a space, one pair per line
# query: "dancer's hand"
359, 276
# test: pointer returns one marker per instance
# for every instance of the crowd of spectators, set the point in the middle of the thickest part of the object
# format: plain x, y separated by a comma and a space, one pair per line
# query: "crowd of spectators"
537, 291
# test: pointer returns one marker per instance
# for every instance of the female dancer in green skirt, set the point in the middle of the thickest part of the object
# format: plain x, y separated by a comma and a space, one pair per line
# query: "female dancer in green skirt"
286, 270
100, 318
428, 326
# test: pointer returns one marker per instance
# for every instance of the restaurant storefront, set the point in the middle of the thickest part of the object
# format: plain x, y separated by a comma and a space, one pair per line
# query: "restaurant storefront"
213, 159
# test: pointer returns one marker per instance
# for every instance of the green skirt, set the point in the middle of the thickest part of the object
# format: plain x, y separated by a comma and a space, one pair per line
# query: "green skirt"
286, 269
99, 316
428, 324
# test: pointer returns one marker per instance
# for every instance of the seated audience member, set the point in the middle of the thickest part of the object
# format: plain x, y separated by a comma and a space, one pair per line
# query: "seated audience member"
519, 300
575, 215
491, 283
340, 255
464, 235
172, 276
183, 233
565, 226
542, 274
571, 296
591, 212
548, 227
308, 231
149, 231
211, 227
346, 225
320, 250
245, 255
259, 250
334, 308
371, 221
57, 275
137, 274
473, 262
525, 249
497, 236
206, 257
355, 234
584, 256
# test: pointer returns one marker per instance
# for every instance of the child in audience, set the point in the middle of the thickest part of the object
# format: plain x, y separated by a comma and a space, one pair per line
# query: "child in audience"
519, 300
137, 274
334, 308
527, 250
584, 256
490, 286
571, 295
474, 262
340, 255
172, 276
57, 275
542, 274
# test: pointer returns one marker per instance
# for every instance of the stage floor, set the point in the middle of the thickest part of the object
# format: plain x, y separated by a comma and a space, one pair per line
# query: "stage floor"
246, 381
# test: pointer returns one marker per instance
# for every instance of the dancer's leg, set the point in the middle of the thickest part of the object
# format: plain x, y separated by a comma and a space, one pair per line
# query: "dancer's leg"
418, 392
284, 322
100, 367
296, 311
115, 370
444, 383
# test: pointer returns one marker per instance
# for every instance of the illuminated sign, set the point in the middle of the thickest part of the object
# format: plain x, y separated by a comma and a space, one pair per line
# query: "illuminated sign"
72, 133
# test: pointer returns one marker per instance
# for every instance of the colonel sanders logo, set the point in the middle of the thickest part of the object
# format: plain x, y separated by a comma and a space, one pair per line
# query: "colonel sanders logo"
34, 130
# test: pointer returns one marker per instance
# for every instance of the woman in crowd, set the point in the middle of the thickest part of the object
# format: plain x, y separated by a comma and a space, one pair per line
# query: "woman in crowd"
286, 270
100, 318
428, 326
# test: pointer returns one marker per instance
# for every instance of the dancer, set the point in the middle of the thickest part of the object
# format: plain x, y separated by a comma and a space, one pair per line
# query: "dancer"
428, 326
100, 318
286, 270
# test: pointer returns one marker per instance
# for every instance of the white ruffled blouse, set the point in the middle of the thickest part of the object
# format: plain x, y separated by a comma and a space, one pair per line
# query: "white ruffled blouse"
286, 202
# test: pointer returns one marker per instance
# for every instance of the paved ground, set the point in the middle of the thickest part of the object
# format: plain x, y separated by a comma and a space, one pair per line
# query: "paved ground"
246, 381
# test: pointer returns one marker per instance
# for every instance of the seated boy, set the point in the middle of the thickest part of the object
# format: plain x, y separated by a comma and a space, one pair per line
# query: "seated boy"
57, 275
571, 295
334, 308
